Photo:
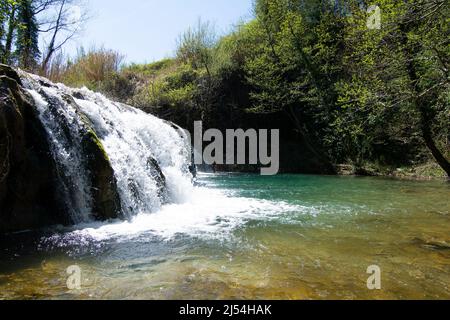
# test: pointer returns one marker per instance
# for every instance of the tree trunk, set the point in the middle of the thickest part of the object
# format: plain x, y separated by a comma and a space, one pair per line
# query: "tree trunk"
10, 35
438, 156
420, 102
51, 47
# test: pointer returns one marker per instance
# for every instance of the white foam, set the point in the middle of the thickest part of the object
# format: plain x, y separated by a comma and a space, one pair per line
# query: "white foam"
133, 140
208, 213
130, 138
72, 171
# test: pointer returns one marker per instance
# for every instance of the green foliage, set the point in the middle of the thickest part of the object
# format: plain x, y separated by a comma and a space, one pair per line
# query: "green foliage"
150, 69
174, 89
19, 33
399, 74
196, 44
8, 19
3, 17
347, 93
27, 49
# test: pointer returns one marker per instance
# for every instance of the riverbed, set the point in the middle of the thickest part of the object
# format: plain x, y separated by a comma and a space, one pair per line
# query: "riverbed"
243, 236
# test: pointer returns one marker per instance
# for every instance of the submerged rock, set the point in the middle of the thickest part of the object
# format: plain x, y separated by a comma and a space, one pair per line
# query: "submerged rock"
432, 244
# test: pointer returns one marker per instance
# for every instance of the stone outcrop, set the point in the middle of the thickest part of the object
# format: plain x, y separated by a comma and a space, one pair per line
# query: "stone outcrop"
29, 195
27, 176
104, 186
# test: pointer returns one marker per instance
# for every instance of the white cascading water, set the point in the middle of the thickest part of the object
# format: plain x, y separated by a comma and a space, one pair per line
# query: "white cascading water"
129, 136
62, 125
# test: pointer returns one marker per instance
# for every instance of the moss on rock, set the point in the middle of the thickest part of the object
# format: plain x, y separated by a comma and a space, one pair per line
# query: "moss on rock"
104, 185
105, 196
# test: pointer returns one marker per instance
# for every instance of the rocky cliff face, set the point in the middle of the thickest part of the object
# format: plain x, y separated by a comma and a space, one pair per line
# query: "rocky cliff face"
28, 198
70, 156
30, 190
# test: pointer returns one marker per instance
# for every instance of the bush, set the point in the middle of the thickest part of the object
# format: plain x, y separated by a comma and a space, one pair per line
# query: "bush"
92, 69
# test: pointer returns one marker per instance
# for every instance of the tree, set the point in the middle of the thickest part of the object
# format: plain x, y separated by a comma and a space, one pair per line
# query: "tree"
27, 48
400, 73
9, 8
24, 22
60, 21
195, 46
296, 67
3, 15
426, 64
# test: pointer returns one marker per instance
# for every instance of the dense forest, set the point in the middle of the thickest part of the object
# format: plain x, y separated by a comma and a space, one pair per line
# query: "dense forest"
354, 88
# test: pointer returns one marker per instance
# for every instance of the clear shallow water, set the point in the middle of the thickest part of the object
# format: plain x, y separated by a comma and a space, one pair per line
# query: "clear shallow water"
251, 237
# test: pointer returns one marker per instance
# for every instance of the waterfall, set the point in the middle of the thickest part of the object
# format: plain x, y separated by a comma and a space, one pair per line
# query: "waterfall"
149, 157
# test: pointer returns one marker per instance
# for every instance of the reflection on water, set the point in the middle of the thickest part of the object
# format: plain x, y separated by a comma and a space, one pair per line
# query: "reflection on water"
251, 237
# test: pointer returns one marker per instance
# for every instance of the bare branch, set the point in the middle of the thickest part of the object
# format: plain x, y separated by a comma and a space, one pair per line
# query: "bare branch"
59, 21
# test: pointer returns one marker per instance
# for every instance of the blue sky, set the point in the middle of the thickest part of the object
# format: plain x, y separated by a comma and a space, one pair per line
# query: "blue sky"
146, 30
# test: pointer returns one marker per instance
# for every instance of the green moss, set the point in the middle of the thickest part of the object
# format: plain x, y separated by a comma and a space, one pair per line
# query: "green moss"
104, 186
94, 138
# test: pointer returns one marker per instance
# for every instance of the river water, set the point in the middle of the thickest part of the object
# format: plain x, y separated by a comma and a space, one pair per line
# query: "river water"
250, 237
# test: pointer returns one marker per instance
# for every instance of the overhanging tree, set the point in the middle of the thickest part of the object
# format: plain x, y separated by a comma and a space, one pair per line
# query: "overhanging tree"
400, 72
